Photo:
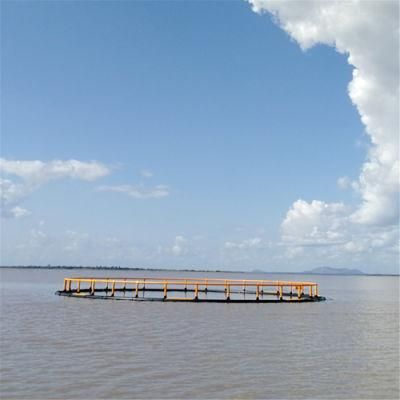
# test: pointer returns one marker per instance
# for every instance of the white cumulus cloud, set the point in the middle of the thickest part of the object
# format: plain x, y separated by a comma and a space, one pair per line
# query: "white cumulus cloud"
39, 172
20, 178
179, 248
315, 223
18, 212
368, 33
11, 192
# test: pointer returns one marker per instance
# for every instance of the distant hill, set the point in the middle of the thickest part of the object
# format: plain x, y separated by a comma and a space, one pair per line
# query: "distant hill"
334, 271
258, 271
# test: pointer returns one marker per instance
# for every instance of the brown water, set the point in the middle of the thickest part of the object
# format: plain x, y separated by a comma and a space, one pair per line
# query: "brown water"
57, 347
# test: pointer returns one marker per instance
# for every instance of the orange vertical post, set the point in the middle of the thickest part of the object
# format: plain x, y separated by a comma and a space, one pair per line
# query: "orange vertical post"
165, 290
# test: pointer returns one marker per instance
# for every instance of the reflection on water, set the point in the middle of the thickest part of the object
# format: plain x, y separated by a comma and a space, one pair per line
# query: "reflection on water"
56, 347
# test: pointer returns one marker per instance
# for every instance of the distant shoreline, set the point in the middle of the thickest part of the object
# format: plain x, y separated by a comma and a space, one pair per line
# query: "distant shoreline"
116, 268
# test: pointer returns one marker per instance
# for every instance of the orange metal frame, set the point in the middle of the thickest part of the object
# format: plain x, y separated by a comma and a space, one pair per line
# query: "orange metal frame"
282, 289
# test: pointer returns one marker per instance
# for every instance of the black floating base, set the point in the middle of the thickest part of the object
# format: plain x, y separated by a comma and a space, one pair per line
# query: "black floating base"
85, 294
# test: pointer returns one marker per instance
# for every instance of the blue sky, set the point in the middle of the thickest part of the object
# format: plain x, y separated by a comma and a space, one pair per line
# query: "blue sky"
210, 120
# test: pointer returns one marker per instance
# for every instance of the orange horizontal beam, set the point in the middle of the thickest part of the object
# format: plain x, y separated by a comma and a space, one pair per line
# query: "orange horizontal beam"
191, 282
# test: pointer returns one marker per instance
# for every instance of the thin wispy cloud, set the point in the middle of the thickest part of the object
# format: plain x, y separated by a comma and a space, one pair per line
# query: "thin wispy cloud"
138, 192
146, 173
252, 243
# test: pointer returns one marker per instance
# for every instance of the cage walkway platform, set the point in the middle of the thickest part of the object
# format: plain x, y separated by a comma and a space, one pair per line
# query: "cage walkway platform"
191, 290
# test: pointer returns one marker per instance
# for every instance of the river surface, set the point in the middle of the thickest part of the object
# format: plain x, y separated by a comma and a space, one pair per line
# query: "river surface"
56, 347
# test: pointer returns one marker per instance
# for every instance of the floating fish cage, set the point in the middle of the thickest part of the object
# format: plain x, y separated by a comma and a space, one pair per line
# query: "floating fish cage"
198, 290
